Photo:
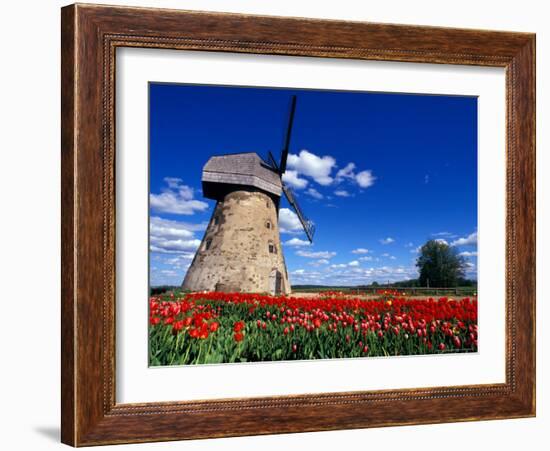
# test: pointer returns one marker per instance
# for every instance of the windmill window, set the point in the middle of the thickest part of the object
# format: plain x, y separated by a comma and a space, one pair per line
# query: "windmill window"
268, 224
207, 244
272, 248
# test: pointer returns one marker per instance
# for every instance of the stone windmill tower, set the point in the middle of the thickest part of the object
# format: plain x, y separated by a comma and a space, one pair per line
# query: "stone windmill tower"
241, 248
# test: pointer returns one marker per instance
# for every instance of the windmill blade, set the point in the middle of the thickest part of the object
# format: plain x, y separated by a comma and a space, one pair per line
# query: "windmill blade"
288, 133
309, 227
272, 161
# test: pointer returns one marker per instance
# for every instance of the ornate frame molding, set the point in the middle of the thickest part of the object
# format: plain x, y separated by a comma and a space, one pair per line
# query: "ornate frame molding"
90, 37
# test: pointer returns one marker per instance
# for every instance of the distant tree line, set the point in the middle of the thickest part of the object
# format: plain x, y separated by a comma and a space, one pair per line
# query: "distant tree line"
415, 283
154, 291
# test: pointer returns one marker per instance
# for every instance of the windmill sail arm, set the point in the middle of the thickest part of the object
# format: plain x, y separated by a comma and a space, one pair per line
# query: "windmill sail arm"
309, 227
288, 134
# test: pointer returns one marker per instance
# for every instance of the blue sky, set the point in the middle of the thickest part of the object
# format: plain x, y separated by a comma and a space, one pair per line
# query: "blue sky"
378, 173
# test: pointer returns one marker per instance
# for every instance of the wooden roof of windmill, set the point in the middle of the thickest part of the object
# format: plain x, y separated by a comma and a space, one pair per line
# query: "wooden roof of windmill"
246, 169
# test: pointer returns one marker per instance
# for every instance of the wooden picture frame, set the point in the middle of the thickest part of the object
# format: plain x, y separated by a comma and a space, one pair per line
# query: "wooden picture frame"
90, 36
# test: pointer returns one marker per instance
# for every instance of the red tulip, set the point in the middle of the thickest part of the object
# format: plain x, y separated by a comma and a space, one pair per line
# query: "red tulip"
193, 333
238, 326
203, 334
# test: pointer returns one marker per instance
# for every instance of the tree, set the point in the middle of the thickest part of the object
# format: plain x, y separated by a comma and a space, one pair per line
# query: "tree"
440, 265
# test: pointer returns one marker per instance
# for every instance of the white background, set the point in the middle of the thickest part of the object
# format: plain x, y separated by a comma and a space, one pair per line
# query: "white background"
29, 180
137, 383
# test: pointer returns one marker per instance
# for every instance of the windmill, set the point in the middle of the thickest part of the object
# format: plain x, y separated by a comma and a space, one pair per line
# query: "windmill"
241, 248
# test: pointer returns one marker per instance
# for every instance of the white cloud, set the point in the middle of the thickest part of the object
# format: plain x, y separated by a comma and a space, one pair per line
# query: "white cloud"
352, 264
172, 257
387, 240
170, 268
471, 269
168, 228
178, 260
344, 274
314, 193
366, 258
176, 199
347, 172
318, 254
391, 257
173, 182
392, 273
447, 234
292, 178
173, 237
365, 179
341, 193
318, 168
289, 222
163, 228
169, 272
297, 242
360, 250
320, 262
470, 239
173, 246
302, 276
468, 254
441, 241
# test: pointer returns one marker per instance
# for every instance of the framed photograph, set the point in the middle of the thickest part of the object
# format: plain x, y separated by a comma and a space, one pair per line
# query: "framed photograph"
279, 225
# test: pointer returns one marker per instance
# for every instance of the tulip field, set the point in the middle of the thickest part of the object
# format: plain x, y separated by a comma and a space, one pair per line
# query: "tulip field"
202, 328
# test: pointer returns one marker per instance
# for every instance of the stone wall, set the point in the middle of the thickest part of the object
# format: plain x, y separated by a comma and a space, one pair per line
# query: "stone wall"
241, 247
